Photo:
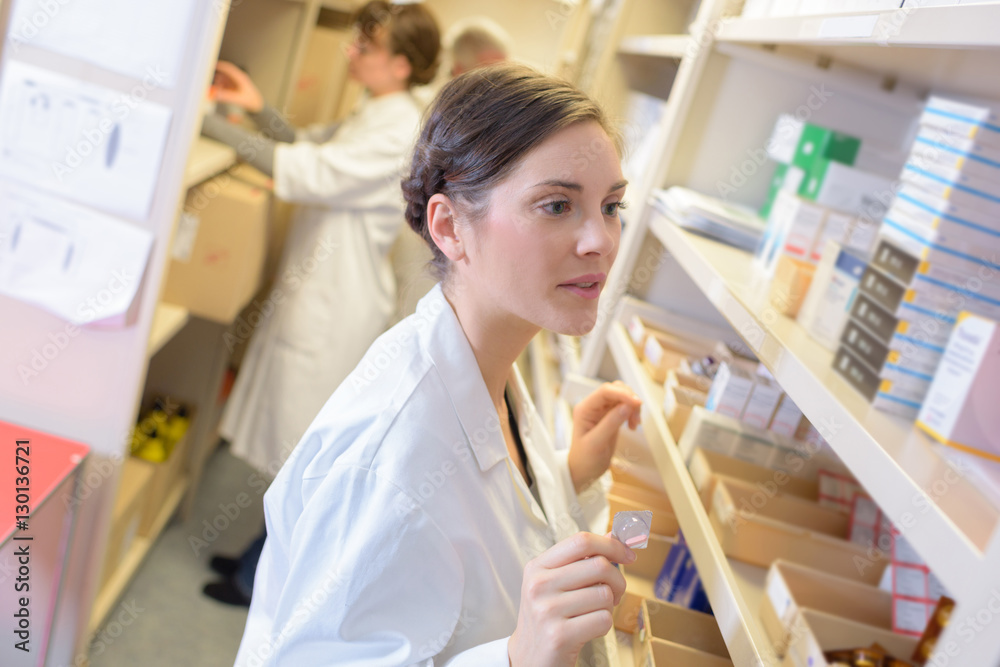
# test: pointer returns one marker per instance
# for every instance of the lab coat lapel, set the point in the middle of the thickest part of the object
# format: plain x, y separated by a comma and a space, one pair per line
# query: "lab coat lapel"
533, 435
453, 358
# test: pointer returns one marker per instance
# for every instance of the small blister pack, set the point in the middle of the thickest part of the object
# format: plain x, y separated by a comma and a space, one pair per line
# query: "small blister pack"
632, 528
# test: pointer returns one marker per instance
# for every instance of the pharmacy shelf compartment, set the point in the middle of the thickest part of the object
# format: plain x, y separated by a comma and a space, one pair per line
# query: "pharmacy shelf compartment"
946, 519
965, 26
662, 46
206, 159
734, 589
168, 319
133, 559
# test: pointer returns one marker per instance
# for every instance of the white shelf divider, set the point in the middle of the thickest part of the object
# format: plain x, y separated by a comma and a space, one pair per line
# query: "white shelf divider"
965, 26
662, 46
943, 515
734, 589
207, 158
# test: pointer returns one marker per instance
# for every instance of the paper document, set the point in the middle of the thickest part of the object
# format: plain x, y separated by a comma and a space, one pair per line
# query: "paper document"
130, 37
84, 266
83, 141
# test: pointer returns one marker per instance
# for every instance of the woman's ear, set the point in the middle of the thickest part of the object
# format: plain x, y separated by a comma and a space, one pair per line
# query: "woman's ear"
443, 227
401, 68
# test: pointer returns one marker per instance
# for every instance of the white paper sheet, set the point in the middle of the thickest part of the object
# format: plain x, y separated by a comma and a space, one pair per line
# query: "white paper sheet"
131, 37
86, 142
84, 266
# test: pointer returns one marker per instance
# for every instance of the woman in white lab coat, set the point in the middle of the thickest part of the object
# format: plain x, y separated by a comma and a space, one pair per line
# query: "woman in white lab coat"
335, 291
426, 518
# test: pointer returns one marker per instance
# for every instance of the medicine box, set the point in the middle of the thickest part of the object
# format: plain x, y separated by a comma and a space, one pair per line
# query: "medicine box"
931, 327
791, 218
824, 312
130, 504
678, 401
686, 637
934, 148
788, 289
707, 466
982, 183
218, 249
961, 405
786, 418
857, 374
864, 346
934, 211
844, 188
757, 528
874, 317
836, 228
731, 388
974, 121
931, 294
937, 186
965, 261
881, 289
914, 353
799, 143
763, 402
791, 587
815, 632
664, 350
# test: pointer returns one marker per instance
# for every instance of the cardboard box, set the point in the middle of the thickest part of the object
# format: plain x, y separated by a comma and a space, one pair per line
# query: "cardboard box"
640, 578
664, 351
730, 391
218, 249
689, 637
791, 587
130, 503
814, 633
661, 653
163, 478
706, 467
755, 528
960, 409
678, 401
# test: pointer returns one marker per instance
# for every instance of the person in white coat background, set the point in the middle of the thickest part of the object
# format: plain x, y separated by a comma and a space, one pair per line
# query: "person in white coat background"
336, 283
426, 518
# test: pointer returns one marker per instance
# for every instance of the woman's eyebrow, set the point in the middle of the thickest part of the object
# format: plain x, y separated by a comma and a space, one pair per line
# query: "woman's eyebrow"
575, 186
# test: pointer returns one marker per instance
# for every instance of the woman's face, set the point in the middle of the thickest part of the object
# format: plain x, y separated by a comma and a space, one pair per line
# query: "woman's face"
543, 250
371, 62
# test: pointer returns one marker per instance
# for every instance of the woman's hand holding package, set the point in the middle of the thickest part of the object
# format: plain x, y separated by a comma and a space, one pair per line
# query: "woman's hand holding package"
567, 598
596, 420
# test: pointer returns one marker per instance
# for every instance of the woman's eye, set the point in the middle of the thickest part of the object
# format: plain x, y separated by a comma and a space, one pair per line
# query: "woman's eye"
613, 208
556, 207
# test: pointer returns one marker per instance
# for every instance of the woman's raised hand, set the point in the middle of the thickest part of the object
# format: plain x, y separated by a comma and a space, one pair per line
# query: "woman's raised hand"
567, 598
596, 420
233, 86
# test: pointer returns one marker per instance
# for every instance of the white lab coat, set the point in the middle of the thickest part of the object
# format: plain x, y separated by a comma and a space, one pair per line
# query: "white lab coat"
335, 291
398, 530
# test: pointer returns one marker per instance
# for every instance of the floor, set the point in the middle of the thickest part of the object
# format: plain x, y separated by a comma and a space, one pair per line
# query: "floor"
174, 624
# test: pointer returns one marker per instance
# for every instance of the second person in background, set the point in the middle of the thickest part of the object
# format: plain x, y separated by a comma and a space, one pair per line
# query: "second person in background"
337, 287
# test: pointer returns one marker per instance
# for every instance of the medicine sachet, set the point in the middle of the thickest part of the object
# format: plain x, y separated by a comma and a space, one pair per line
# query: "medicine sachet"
632, 528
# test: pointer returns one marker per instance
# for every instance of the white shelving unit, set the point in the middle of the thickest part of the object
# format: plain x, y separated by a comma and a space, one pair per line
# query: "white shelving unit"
663, 46
736, 76
734, 589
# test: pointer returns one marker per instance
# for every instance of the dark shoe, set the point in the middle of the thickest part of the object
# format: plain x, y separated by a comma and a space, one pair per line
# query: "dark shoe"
227, 593
224, 565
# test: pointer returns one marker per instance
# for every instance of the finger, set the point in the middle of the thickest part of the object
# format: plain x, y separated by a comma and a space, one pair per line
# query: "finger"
585, 545
587, 573
606, 429
583, 601
585, 627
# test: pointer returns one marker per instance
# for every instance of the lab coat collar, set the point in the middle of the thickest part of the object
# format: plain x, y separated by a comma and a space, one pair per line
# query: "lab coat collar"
455, 361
